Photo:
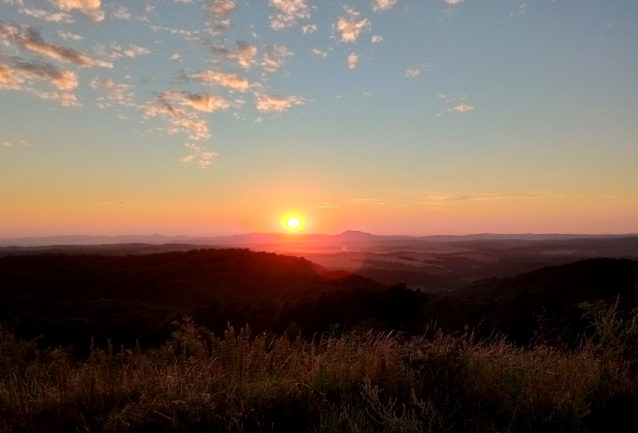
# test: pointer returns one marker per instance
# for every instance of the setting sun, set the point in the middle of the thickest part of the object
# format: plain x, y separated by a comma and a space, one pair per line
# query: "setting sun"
293, 222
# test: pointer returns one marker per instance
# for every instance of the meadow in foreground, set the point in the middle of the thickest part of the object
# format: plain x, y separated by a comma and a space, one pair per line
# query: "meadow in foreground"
353, 382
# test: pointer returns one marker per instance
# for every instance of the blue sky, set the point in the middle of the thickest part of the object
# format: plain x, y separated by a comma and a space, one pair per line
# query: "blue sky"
414, 117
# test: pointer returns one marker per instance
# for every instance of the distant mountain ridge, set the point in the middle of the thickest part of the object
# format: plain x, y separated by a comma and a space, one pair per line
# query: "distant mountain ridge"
266, 238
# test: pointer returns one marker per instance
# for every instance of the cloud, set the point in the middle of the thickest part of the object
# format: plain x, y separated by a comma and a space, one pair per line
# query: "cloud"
13, 2
521, 11
119, 12
135, 51
383, 5
350, 26
376, 39
289, 11
451, 199
275, 57
453, 2
119, 52
326, 205
5, 144
62, 80
415, 72
310, 28
220, 13
231, 81
90, 8
368, 201
52, 17
206, 102
120, 93
176, 57
319, 53
199, 155
68, 36
245, 55
277, 104
30, 39
19, 74
179, 118
462, 108
353, 59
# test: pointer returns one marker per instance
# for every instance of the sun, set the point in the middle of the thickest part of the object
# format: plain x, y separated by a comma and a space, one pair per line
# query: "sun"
293, 222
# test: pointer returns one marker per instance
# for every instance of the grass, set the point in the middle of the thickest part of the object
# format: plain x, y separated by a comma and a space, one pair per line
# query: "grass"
355, 382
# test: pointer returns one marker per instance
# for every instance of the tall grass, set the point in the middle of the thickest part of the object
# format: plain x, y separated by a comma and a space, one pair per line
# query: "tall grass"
370, 382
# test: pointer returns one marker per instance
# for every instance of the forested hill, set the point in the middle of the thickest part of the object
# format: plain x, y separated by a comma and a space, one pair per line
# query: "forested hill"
71, 298
550, 295
68, 299
191, 279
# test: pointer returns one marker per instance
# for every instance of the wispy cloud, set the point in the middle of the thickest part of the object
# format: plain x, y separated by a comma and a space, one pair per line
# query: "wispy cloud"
353, 59
452, 199
62, 80
288, 12
214, 77
310, 28
521, 11
415, 72
30, 39
350, 26
367, 201
326, 205
453, 2
462, 108
90, 8
206, 102
383, 5
275, 57
219, 13
68, 36
52, 17
245, 55
275, 103
19, 74
119, 12
376, 39
119, 93
198, 155
179, 118
319, 53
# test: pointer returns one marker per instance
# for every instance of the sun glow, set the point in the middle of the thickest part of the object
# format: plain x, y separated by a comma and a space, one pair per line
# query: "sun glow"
293, 222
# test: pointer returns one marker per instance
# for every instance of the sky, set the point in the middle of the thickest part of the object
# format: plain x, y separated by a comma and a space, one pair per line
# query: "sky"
218, 117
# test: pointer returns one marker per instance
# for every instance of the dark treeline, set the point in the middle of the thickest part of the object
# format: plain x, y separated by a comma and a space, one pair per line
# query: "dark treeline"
69, 299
